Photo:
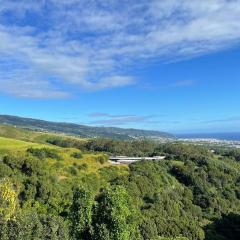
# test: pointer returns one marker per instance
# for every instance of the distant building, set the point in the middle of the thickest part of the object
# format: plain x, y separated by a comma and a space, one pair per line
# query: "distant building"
128, 160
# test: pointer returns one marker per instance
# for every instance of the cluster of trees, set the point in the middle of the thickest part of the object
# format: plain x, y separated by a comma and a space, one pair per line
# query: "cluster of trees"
117, 147
215, 186
109, 215
105, 216
142, 148
42, 153
229, 152
35, 205
66, 142
225, 228
166, 206
191, 195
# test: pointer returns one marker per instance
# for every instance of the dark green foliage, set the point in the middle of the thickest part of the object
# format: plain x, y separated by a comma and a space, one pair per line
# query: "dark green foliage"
148, 229
110, 216
23, 164
137, 148
5, 171
34, 180
34, 226
66, 142
116, 147
43, 153
73, 170
231, 153
214, 186
77, 155
186, 152
188, 194
167, 208
81, 214
225, 228
82, 167
114, 216
102, 158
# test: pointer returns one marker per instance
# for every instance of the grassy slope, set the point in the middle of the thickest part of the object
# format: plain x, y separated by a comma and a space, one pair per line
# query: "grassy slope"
17, 133
7, 145
15, 140
25, 134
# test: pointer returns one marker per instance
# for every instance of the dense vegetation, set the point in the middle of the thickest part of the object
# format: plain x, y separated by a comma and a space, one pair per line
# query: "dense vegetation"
70, 191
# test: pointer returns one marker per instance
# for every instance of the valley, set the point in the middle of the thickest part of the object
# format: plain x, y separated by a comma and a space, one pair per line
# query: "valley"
56, 182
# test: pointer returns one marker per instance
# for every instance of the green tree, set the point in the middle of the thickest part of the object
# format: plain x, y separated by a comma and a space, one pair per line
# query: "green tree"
115, 217
30, 225
81, 214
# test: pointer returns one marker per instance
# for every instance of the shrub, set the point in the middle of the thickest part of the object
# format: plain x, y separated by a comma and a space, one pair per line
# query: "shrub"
83, 166
42, 153
73, 170
102, 158
77, 155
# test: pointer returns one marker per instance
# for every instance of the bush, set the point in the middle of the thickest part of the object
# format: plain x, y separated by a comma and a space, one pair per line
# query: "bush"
102, 158
83, 166
5, 171
66, 142
42, 153
59, 165
77, 155
73, 170
32, 225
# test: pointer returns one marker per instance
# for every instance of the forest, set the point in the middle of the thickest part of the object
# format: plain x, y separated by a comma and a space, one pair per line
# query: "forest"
64, 188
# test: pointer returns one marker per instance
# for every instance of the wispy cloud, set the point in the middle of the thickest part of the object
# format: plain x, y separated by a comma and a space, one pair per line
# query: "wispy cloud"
97, 40
116, 120
176, 84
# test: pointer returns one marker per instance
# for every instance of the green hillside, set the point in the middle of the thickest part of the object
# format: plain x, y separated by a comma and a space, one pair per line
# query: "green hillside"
81, 130
28, 135
58, 187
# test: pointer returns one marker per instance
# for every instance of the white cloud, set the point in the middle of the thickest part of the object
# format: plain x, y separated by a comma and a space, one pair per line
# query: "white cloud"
27, 84
90, 44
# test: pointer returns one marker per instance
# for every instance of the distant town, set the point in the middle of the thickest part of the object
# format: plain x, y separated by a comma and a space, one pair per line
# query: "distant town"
212, 141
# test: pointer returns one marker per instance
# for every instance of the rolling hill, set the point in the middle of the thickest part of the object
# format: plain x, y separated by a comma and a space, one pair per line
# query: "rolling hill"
193, 194
82, 130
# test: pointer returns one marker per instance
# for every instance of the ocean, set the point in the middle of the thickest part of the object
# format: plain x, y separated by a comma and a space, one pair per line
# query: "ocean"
221, 136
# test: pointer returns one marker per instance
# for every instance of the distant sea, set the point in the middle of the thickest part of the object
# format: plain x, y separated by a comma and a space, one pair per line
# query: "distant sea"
221, 136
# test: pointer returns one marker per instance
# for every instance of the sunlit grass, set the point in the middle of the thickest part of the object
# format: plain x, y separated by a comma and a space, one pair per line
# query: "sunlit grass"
87, 164
12, 144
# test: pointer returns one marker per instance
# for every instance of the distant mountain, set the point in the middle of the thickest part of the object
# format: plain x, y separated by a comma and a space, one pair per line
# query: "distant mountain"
82, 130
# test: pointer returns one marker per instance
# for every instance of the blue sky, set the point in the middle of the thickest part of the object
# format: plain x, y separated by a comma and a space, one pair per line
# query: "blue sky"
169, 65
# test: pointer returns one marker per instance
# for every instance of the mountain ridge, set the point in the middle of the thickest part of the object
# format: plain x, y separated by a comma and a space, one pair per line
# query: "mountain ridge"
82, 130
